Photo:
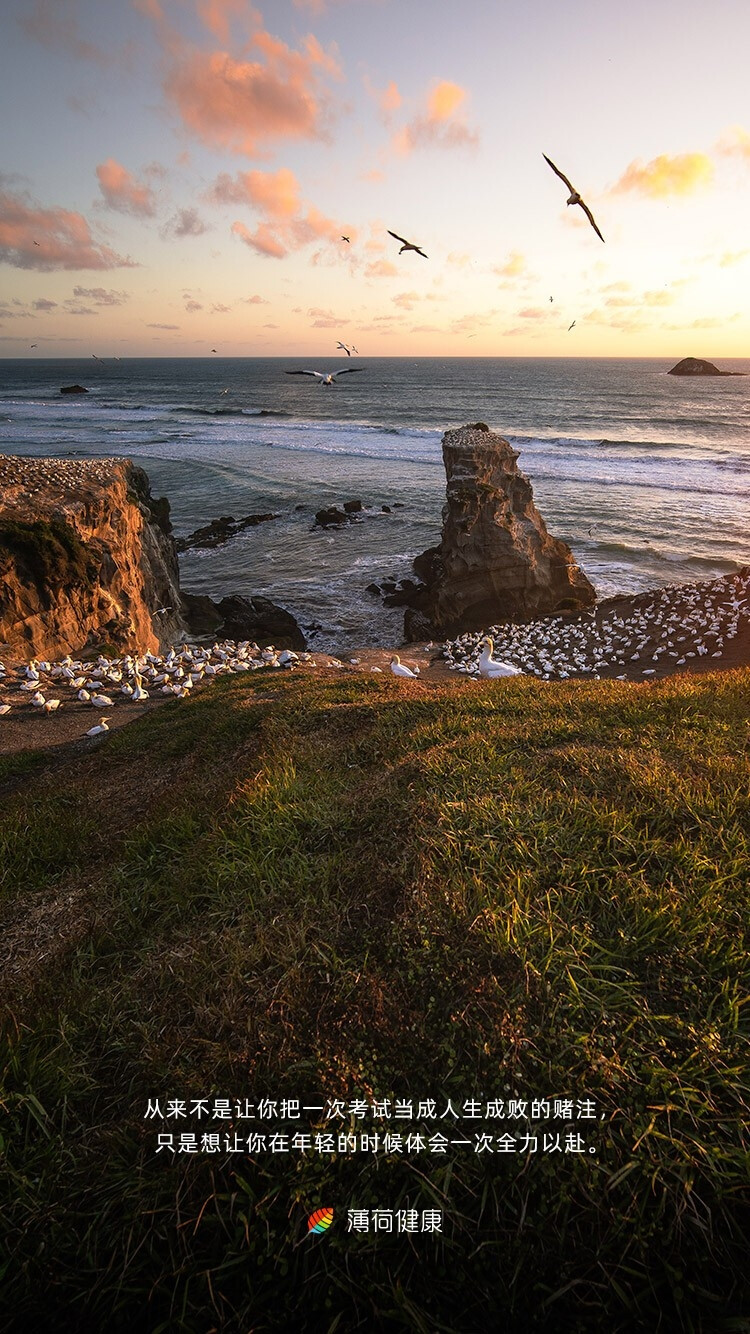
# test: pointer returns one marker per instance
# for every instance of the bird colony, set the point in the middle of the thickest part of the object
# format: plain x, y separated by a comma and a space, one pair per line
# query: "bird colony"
48, 686
663, 631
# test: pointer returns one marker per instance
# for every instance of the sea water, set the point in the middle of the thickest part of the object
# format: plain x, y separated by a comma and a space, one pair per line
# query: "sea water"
643, 474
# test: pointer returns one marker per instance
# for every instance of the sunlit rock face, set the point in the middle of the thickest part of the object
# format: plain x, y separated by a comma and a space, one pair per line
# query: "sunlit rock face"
86, 557
496, 560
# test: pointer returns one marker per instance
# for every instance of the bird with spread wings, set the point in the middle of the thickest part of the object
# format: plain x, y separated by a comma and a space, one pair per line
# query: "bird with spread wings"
575, 198
406, 245
329, 379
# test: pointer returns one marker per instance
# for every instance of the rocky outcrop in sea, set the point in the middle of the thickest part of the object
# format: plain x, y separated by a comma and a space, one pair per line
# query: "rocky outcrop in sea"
496, 561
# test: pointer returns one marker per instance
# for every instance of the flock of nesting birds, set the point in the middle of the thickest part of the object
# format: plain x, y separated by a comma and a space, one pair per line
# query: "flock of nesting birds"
666, 628
135, 678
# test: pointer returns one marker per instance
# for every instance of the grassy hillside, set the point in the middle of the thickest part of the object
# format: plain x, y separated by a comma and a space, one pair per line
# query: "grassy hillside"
359, 888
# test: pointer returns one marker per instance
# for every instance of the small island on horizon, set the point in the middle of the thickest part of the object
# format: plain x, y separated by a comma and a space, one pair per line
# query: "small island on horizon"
695, 366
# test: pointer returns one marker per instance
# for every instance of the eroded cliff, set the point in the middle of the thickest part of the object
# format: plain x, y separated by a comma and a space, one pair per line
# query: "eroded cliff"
86, 557
496, 560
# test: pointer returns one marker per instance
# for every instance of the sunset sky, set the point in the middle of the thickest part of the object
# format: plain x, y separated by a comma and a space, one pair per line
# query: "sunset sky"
178, 174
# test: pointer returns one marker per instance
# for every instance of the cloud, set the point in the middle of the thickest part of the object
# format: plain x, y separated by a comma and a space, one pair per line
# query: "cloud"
44, 304
186, 222
425, 328
255, 300
735, 142
162, 326
532, 313
122, 192
72, 309
100, 296
34, 237
54, 24
219, 309
406, 300
381, 268
241, 104
192, 306
513, 267
439, 126
731, 257
664, 176
216, 16
287, 225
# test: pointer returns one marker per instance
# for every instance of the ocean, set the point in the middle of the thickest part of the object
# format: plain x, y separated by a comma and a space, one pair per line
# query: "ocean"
643, 474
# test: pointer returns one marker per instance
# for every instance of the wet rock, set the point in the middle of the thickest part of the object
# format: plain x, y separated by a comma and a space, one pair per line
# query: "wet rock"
219, 531
331, 517
73, 389
496, 560
353, 506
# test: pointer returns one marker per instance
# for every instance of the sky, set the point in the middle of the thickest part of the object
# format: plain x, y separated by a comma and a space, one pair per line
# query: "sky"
178, 176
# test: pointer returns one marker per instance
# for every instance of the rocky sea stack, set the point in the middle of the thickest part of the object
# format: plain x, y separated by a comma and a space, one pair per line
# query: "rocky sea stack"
496, 561
694, 366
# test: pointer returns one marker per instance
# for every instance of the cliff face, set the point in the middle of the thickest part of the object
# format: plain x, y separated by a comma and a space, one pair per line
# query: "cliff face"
86, 556
496, 561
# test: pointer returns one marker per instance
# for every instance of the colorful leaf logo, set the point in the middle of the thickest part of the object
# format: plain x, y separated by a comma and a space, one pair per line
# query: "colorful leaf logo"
320, 1221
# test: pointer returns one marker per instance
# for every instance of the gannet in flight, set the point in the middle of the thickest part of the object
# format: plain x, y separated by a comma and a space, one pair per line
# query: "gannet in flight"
346, 238
575, 198
344, 348
328, 379
571, 326
406, 245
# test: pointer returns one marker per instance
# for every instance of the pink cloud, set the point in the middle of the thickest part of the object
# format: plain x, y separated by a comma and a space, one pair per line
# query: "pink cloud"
532, 313
54, 23
285, 226
33, 237
123, 192
256, 300
381, 268
186, 222
241, 104
664, 176
100, 296
735, 142
162, 326
406, 300
441, 125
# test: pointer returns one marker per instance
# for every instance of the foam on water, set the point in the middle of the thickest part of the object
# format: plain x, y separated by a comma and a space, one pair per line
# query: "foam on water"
644, 475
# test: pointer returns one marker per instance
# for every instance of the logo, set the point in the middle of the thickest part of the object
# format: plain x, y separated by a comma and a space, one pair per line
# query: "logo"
320, 1221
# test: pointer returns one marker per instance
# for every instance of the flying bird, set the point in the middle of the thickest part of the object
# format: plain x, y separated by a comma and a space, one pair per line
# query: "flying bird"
406, 245
213, 349
575, 198
347, 239
329, 379
571, 326
344, 348
36, 243
33, 345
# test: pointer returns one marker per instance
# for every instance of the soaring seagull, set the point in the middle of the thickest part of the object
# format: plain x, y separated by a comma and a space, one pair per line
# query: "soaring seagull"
571, 326
329, 379
347, 239
575, 198
406, 245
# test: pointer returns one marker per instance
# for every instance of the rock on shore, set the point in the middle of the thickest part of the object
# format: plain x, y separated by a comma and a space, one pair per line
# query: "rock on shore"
496, 561
86, 555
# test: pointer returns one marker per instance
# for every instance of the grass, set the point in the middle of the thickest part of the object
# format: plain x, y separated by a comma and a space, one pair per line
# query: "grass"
378, 889
49, 551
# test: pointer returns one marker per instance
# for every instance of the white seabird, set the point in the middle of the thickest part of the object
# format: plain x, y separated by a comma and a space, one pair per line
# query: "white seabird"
490, 668
100, 727
575, 198
329, 379
406, 245
343, 348
398, 668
